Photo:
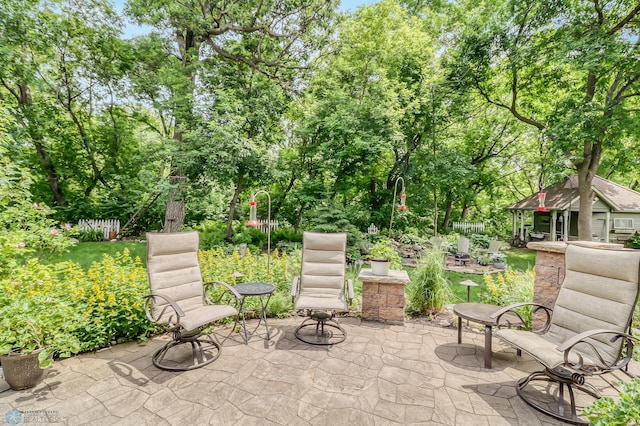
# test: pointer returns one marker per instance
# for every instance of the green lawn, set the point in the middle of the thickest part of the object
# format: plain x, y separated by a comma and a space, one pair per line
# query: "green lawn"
519, 259
87, 253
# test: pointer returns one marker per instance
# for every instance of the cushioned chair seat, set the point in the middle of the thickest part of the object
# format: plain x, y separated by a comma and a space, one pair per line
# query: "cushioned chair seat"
542, 349
205, 315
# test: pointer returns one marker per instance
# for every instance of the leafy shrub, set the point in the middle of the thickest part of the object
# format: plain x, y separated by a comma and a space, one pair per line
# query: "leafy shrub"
40, 321
286, 239
625, 411
384, 250
26, 227
429, 289
634, 242
90, 235
212, 233
479, 241
412, 238
104, 304
279, 305
509, 287
114, 292
217, 266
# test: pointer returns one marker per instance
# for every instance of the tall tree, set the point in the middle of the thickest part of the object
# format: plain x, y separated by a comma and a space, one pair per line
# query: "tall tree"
63, 64
364, 111
567, 68
274, 38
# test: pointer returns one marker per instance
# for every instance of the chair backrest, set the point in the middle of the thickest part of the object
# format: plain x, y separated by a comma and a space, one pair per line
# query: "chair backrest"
600, 291
323, 264
436, 242
494, 246
173, 269
463, 245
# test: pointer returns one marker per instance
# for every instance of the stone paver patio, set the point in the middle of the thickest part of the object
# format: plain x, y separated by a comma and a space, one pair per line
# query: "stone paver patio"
381, 375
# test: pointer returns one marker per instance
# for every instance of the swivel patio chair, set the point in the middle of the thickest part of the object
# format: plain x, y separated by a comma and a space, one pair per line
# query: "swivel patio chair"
179, 302
586, 333
320, 288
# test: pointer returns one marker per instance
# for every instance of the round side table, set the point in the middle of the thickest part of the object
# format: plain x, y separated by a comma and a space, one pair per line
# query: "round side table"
261, 290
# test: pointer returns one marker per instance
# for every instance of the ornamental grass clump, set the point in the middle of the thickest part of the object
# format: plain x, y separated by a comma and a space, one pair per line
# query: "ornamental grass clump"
429, 290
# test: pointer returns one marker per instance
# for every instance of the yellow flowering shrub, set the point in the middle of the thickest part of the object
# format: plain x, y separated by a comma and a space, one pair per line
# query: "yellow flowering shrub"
218, 266
106, 302
511, 286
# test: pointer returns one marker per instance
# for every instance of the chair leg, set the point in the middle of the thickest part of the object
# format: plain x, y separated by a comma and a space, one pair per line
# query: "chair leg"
320, 329
200, 355
541, 400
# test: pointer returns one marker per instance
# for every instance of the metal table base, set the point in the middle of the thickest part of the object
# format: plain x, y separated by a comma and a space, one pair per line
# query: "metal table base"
261, 290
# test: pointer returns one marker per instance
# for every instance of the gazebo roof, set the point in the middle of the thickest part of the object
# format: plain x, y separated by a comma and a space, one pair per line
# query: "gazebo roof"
618, 197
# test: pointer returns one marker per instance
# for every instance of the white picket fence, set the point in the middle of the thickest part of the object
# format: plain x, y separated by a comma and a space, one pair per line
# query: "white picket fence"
468, 227
104, 225
263, 225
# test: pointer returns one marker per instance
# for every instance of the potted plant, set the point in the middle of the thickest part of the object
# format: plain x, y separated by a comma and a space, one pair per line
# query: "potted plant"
384, 257
32, 331
498, 260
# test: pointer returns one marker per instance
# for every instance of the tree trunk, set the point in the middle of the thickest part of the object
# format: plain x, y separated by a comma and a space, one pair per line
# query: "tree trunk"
447, 212
585, 185
587, 168
298, 219
174, 215
232, 210
465, 212
52, 175
174, 212
23, 96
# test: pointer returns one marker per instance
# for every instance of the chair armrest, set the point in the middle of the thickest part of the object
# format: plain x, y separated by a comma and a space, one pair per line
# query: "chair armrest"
497, 315
294, 288
171, 304
568, 345
349, 291
229, 288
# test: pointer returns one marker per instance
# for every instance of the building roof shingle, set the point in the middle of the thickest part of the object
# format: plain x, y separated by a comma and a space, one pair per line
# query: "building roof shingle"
618, 197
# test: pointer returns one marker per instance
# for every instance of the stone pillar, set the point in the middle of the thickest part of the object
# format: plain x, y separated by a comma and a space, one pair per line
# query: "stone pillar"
550, 271
383, 296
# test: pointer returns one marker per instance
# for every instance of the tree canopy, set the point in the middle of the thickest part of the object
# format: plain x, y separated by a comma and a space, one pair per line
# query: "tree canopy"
474, 104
